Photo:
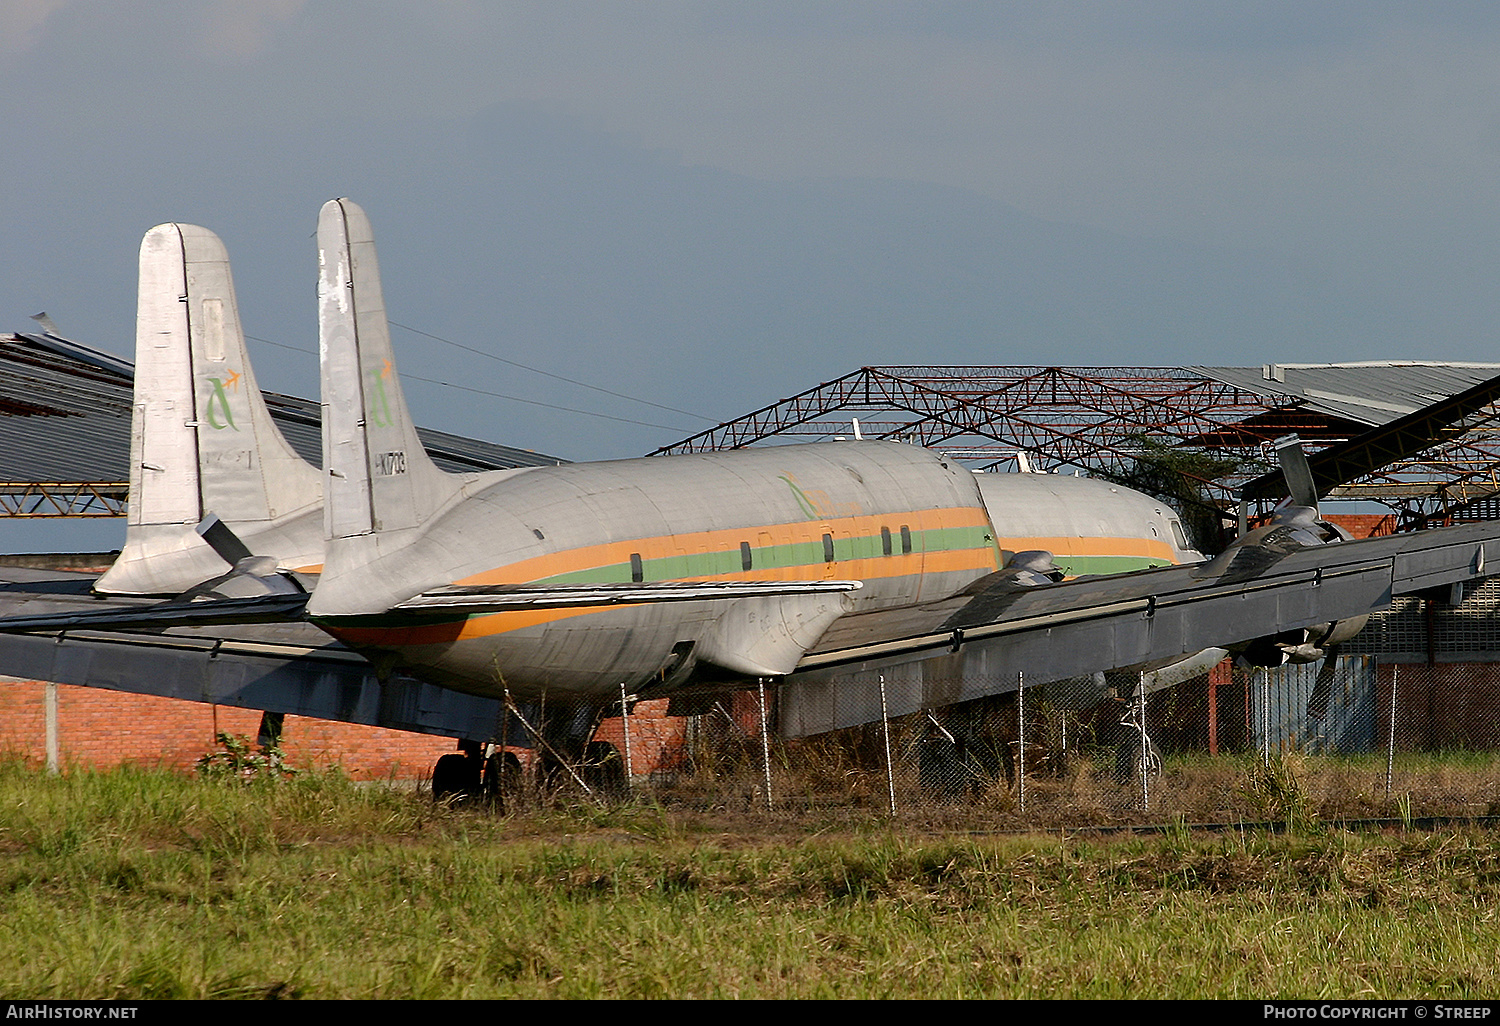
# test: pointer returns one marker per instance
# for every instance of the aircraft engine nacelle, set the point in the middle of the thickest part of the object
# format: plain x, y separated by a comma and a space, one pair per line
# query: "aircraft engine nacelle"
1304, 645
1076, 694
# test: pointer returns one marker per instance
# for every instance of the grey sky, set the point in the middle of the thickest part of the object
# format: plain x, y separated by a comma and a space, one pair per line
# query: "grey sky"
711, 206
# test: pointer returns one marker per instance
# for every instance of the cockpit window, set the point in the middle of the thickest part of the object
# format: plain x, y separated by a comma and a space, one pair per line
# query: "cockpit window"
1182, 541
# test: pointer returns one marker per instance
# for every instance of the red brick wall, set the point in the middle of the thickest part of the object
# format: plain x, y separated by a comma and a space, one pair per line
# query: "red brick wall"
655, 738
23, 726
1439, 706
1364, 525
99, 728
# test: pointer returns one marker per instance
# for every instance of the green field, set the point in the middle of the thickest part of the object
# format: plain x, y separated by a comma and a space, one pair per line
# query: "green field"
146, 884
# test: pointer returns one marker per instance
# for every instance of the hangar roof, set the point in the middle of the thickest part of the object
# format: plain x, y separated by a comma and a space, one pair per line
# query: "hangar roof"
65, 430
1421, 437
1370, 393
65, 423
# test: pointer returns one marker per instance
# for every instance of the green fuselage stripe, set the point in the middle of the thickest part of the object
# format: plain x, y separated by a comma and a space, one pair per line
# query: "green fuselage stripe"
772, 557
1078, 566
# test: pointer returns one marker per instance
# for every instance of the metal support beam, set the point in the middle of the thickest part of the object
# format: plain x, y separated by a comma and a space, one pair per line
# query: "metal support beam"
63, 498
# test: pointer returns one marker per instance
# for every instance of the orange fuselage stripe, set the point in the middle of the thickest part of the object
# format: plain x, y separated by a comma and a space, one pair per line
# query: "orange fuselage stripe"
587, 557
940, 561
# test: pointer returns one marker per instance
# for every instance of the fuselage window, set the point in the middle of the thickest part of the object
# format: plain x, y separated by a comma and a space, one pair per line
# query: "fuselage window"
745, 560
885, 541
828, 548
905, 540
1177, 533
637, 571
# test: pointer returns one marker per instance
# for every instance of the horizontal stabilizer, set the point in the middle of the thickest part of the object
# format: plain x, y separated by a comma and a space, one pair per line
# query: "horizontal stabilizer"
482, 598
203, 613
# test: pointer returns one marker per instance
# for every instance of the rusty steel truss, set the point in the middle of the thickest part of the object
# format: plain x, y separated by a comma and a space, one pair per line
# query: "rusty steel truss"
1106, 420
63, 498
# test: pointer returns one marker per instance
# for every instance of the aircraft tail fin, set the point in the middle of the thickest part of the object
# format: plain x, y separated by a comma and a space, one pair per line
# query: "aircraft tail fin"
202, 440
379, 478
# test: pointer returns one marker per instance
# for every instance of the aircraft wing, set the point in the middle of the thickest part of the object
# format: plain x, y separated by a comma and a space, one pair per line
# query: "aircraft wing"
67, 604
137, 616
290, 667
974, 645
258, 652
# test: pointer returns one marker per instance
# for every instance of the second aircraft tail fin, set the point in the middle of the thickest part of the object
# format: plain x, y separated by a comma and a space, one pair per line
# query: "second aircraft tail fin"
379, 478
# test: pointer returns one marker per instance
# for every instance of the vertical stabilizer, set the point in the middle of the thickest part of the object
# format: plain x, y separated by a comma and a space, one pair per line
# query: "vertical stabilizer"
202, 441
379, 478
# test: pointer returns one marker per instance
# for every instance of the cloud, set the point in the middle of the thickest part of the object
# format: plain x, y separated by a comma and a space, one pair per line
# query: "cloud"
240, 30
22, 23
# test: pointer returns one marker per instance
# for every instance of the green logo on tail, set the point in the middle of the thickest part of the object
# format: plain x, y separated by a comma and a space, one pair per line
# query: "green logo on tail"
217, 411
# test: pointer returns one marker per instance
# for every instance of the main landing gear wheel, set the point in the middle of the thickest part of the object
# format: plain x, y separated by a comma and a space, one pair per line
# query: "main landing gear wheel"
502, 779
1137, 756
457, 776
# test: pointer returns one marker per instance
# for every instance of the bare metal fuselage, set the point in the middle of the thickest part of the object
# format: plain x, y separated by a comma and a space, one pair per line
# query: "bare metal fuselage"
912, 526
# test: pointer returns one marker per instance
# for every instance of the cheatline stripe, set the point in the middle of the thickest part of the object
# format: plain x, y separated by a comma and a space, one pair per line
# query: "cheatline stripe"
1075, 556
716, 553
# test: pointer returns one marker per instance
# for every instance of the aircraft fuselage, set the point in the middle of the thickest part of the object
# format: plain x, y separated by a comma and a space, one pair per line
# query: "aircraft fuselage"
911, 525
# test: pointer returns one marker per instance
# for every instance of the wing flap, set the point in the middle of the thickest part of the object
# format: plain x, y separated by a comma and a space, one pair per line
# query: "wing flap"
466, 598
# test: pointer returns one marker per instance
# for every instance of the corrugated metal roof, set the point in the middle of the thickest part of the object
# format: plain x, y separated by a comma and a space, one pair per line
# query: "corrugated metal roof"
65, 416
1370, 393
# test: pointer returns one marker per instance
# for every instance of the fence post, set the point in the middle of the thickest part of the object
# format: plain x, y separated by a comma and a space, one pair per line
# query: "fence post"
765, 739
1265, 717
1021, 740
1145, 750
625, 729
1390, 748
885, 727
54, 747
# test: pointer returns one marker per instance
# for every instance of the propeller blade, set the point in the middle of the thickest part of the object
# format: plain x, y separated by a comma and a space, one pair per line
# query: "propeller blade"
1322, 691
1294, 467
222, 540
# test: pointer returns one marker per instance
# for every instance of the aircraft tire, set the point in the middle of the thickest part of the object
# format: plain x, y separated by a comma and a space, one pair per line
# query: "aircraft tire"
502, 779
454, 776
1128, 764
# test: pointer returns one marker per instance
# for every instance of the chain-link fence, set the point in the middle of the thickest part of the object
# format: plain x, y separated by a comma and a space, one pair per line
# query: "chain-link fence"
1352, 737
1404, 722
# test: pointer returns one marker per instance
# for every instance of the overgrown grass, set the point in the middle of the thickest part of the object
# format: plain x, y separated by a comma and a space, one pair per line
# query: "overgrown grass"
141, 884
1083, 791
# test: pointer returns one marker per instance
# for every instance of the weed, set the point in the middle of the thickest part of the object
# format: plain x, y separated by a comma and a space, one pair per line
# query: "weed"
1275, 790
240, 761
